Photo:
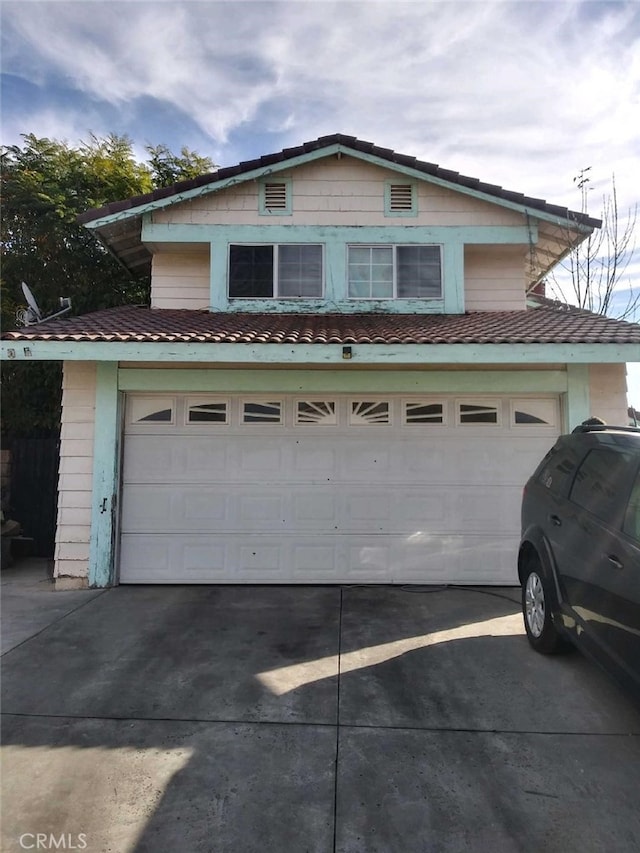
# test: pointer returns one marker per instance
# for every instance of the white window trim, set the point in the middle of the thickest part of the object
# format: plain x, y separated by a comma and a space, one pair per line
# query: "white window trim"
317, 398
161, 403
425, 401
263, 401
276, 295
375, 401
394, 247
481, 403
203, 400
520, 403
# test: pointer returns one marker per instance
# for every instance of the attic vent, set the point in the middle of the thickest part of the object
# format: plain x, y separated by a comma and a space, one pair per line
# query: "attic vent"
400, 197
275, 196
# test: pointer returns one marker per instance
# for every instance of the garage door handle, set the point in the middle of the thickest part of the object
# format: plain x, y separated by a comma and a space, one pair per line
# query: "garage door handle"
615, 562
555, 520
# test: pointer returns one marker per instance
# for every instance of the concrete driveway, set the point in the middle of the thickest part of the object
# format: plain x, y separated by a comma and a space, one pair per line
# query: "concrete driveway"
304, 720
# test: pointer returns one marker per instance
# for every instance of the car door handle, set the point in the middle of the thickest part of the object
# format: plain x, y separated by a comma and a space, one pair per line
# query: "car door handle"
615, 562
555, 520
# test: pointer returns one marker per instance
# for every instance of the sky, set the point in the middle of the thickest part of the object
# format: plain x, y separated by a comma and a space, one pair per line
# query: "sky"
519, 93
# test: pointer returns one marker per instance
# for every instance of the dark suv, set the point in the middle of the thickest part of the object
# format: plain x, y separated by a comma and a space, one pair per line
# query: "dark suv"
579, 558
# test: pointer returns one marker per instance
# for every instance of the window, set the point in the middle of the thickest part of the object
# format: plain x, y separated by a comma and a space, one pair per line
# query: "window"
369, 412
318, 412
262, 412
275, 271
422, 412
598, 482
631, 524
394, 272
478, 413
151, 410
212, 411
533, 412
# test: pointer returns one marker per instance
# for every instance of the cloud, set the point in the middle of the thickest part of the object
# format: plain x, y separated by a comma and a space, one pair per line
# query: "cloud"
518, 93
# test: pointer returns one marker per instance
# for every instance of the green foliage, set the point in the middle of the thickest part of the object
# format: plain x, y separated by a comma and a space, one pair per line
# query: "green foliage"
46, 184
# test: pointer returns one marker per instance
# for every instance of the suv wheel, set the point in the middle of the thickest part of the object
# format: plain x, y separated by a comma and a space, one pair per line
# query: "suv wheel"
536, 609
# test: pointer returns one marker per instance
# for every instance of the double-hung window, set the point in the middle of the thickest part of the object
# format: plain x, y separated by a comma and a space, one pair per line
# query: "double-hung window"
285, 271
395, 272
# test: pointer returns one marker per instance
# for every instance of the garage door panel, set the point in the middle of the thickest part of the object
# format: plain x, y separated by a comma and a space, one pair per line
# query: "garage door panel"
162, 458
280, 503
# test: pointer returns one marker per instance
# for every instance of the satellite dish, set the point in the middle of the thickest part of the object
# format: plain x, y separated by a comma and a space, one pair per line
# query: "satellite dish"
32, 315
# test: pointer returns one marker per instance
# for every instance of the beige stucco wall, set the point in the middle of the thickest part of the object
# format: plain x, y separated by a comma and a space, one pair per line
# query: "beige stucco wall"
608, 393
76, 474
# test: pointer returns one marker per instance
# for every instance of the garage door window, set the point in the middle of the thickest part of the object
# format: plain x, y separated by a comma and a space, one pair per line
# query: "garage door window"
534, 412
262, 412
212, 412
369, 412
318, 412
422, 412
159, 410
478, 413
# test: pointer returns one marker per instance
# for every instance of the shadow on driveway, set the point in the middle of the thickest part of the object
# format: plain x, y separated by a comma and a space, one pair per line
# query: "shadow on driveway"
312, 719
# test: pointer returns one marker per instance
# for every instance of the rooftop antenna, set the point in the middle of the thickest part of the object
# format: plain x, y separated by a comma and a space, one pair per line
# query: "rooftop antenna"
32, 315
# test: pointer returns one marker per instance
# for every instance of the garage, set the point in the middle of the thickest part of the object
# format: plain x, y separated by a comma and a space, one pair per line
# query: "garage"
327, 488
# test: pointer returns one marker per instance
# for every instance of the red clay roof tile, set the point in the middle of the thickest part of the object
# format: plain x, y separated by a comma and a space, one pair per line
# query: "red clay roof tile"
544, 325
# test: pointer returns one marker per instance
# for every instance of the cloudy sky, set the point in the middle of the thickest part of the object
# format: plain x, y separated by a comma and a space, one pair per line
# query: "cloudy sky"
515, 92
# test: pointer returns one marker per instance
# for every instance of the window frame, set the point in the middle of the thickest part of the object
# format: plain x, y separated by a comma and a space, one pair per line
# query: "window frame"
275, 280
394, 272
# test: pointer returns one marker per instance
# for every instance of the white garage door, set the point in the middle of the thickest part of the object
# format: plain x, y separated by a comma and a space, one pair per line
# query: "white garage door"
327, 489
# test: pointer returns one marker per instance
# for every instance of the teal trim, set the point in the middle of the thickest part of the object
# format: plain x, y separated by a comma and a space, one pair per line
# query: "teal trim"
106, 455
453, 278
321, 354
413, 212
336, 241
332, 150
262, 203
577, 401
346, 381
276, 232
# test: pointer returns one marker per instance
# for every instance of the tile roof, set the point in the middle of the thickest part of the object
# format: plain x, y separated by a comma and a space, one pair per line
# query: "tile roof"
548, 324
355, 144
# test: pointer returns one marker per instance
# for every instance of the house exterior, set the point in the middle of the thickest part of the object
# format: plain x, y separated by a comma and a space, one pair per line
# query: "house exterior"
345, 375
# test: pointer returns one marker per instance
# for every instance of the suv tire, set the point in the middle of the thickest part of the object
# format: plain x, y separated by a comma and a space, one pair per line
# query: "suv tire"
536, 609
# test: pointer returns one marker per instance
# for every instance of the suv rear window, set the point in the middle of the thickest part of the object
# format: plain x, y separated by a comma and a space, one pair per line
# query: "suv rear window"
558, 469
600, 481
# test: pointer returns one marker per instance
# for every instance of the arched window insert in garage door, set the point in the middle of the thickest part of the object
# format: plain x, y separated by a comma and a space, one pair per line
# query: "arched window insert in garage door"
511, 413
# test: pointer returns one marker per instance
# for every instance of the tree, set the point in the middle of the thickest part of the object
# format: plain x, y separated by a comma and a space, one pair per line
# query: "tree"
593, 274
45, 185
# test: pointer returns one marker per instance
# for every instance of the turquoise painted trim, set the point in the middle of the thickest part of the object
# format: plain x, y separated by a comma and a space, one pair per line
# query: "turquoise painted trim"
387, 200
276, 232
336, 241
453, 278
262, 205
321, 354
106, 455
291, 163
346, 381
577, 401
218, 275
